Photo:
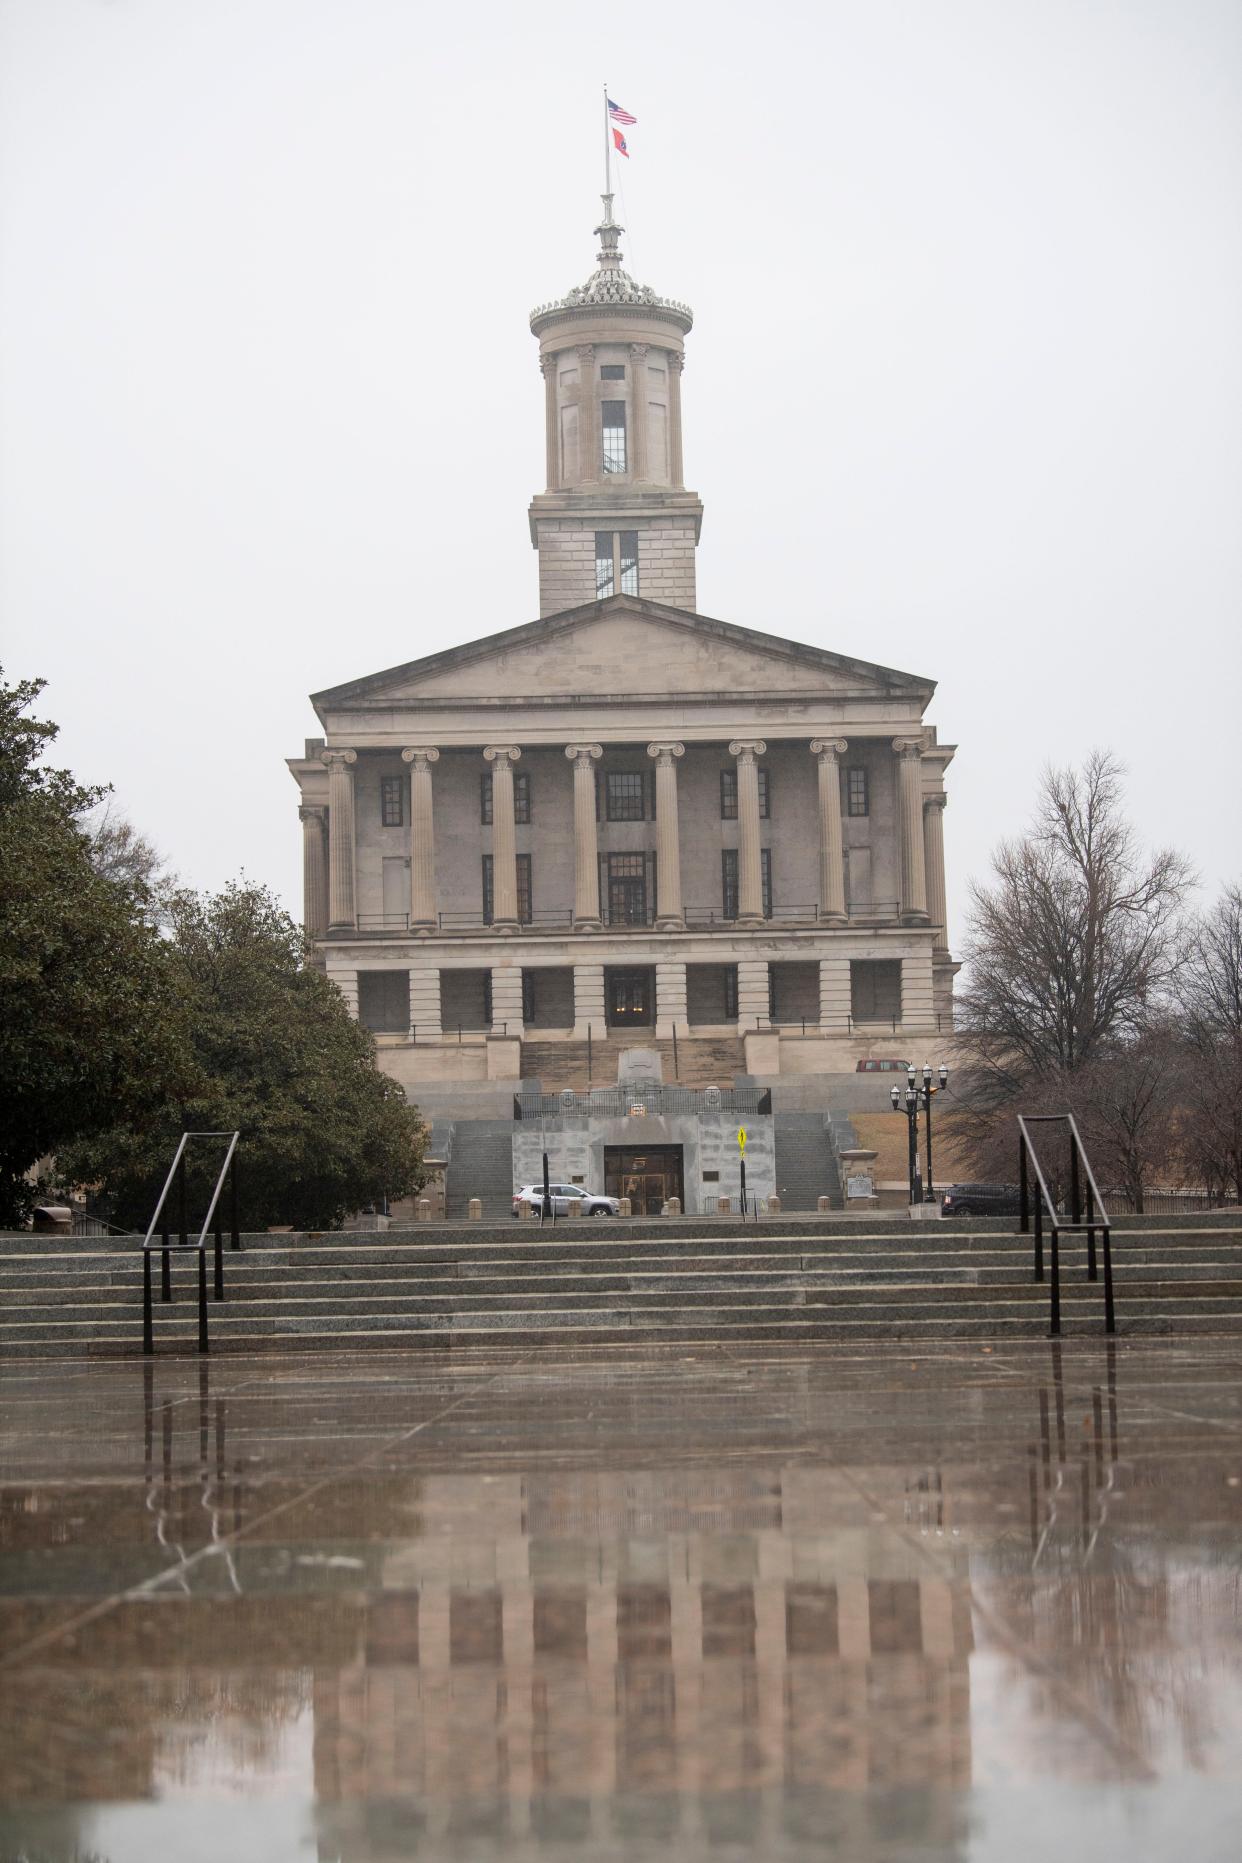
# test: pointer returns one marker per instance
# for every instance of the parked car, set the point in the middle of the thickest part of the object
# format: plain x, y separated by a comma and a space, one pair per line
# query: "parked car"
885, 1066
561, 1196
981, 1200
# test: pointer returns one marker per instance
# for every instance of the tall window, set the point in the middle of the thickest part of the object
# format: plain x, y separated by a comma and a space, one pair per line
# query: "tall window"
605, 572
614, 436
856, 791
392, 801
627, 889
524, 894
616, 563
626, 796
728, 795
521, 797
730, 884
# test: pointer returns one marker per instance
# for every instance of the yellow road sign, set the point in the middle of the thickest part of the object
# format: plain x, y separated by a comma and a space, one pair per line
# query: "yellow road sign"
741, 1138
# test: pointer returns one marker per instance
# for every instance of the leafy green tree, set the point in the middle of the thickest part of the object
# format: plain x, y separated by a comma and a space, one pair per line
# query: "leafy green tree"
90, 1022
275, 1054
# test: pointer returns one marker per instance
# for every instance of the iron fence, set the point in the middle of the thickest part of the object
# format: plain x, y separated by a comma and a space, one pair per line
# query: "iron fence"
655, 1101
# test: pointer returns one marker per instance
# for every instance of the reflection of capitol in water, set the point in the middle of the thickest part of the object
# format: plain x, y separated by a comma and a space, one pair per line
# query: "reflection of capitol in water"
589, 1654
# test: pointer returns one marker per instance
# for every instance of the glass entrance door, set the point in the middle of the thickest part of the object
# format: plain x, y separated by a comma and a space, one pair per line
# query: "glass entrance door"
629, 998
647, 1178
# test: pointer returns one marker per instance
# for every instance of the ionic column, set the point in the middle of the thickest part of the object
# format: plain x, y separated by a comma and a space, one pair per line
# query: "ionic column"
749, 867
909, 753
314, 872
502, 758
584, 757
670, 916
591, 466
420, 757
342, 915
548, 366
831, 857
638, 411
676, 363
933, 848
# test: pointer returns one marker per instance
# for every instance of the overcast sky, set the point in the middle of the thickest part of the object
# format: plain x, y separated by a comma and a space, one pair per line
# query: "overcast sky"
963, 395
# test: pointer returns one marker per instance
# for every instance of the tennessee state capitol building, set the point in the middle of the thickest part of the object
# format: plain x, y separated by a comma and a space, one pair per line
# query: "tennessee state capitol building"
625, 821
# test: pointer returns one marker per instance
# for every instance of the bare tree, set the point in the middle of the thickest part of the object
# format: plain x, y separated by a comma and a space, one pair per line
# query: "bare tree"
1210, 1005
118, 852
1127, 1103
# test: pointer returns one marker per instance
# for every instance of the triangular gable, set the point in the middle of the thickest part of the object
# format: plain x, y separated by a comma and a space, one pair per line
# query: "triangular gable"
625, 646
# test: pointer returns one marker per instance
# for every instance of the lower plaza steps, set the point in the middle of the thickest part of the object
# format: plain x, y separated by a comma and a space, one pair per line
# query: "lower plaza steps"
800, 1280
700, 1061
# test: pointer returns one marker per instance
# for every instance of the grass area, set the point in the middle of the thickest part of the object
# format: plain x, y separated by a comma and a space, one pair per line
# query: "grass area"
886, 1135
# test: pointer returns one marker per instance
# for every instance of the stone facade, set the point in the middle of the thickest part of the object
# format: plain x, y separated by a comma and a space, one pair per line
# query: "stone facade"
626, 814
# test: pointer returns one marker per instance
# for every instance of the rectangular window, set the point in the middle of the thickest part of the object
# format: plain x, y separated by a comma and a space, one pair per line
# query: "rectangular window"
856, 791
629, 562
521, 797
605, 576
614, 436
524, 894
612, 371
392, 801
627, 889
728, 795
729, 881
626, 796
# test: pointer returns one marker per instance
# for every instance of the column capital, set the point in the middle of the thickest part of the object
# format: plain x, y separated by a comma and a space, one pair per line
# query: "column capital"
677, 361
638, 352
666, 752
832, 747
747, 747
938, 800
547, 366
309, 813
338, 757
420, 754
908, 746
586, 351
501, 751
584, 753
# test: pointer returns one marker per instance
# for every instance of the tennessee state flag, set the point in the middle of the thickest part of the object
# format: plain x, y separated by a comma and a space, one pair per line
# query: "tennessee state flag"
619, 142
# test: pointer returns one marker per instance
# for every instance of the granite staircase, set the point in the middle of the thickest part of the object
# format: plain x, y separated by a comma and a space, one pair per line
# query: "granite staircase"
708, 1061
806, 1160
597, 1285
480, 1165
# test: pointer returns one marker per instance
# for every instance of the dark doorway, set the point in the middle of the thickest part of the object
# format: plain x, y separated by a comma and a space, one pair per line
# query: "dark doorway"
647, 1178
629, 996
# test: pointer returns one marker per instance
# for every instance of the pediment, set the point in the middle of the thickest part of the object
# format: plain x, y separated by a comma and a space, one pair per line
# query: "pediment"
624, 647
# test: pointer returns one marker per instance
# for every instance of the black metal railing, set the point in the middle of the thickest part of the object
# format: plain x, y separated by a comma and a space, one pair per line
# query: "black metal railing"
1087, 1214
561, 918
656, 1101
212, 1220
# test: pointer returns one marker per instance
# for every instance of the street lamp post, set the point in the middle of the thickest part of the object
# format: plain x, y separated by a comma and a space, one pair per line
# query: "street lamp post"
919, 1094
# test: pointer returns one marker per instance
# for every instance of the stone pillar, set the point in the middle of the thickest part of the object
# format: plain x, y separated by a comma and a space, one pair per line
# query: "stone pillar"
590, 463
548, 364
918, 990
933, 849
638, 412
752, 993
507, 1000
670, 916
831, 856
502, 758
589, 1001
749, 868
420, 757
425, 1002
314, 872
346, 982
584, 757
670, 1000
834, 995
909, 753
676, 470
342, 914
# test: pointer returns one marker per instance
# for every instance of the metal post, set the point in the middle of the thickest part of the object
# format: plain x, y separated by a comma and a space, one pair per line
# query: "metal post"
912, 1135
181, 1195
148, 1329
1054, 1318
1091, 1267
202, 1300
546, 1208
930, 1191
590, 1069
235, 1236
743, 1170
165, 1272
1039, 1238
1075, 1187
219, 1287
1024, 1201
1110, 1317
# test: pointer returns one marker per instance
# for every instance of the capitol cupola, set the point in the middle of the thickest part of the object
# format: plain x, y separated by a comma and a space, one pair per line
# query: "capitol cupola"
615, 517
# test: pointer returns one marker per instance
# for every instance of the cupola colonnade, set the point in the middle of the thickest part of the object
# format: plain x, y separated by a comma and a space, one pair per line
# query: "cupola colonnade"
330, 841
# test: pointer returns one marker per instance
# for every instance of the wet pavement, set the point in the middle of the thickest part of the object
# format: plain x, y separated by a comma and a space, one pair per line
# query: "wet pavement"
962, 1604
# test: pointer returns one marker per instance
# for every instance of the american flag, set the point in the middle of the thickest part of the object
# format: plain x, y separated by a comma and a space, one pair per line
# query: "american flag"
619, 115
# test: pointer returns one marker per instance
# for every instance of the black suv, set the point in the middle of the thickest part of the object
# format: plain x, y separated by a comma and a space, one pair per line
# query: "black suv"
981, 1200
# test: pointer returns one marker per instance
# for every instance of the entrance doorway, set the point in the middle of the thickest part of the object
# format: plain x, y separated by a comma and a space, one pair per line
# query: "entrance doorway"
629, 998
648, 1178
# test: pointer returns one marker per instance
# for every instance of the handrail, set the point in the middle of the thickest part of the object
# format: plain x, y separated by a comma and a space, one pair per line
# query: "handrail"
177, 1171
1096, 1214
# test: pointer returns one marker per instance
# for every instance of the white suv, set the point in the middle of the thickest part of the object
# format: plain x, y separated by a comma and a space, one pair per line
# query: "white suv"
561, 1195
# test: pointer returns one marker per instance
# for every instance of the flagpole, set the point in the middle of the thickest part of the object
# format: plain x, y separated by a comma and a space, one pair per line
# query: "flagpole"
607, 149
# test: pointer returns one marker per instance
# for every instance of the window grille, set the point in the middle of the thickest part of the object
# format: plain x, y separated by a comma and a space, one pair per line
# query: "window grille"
728, 795
614, 436
605, 575
524, 894
626, 796
521, 797
392, 801
857, 799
